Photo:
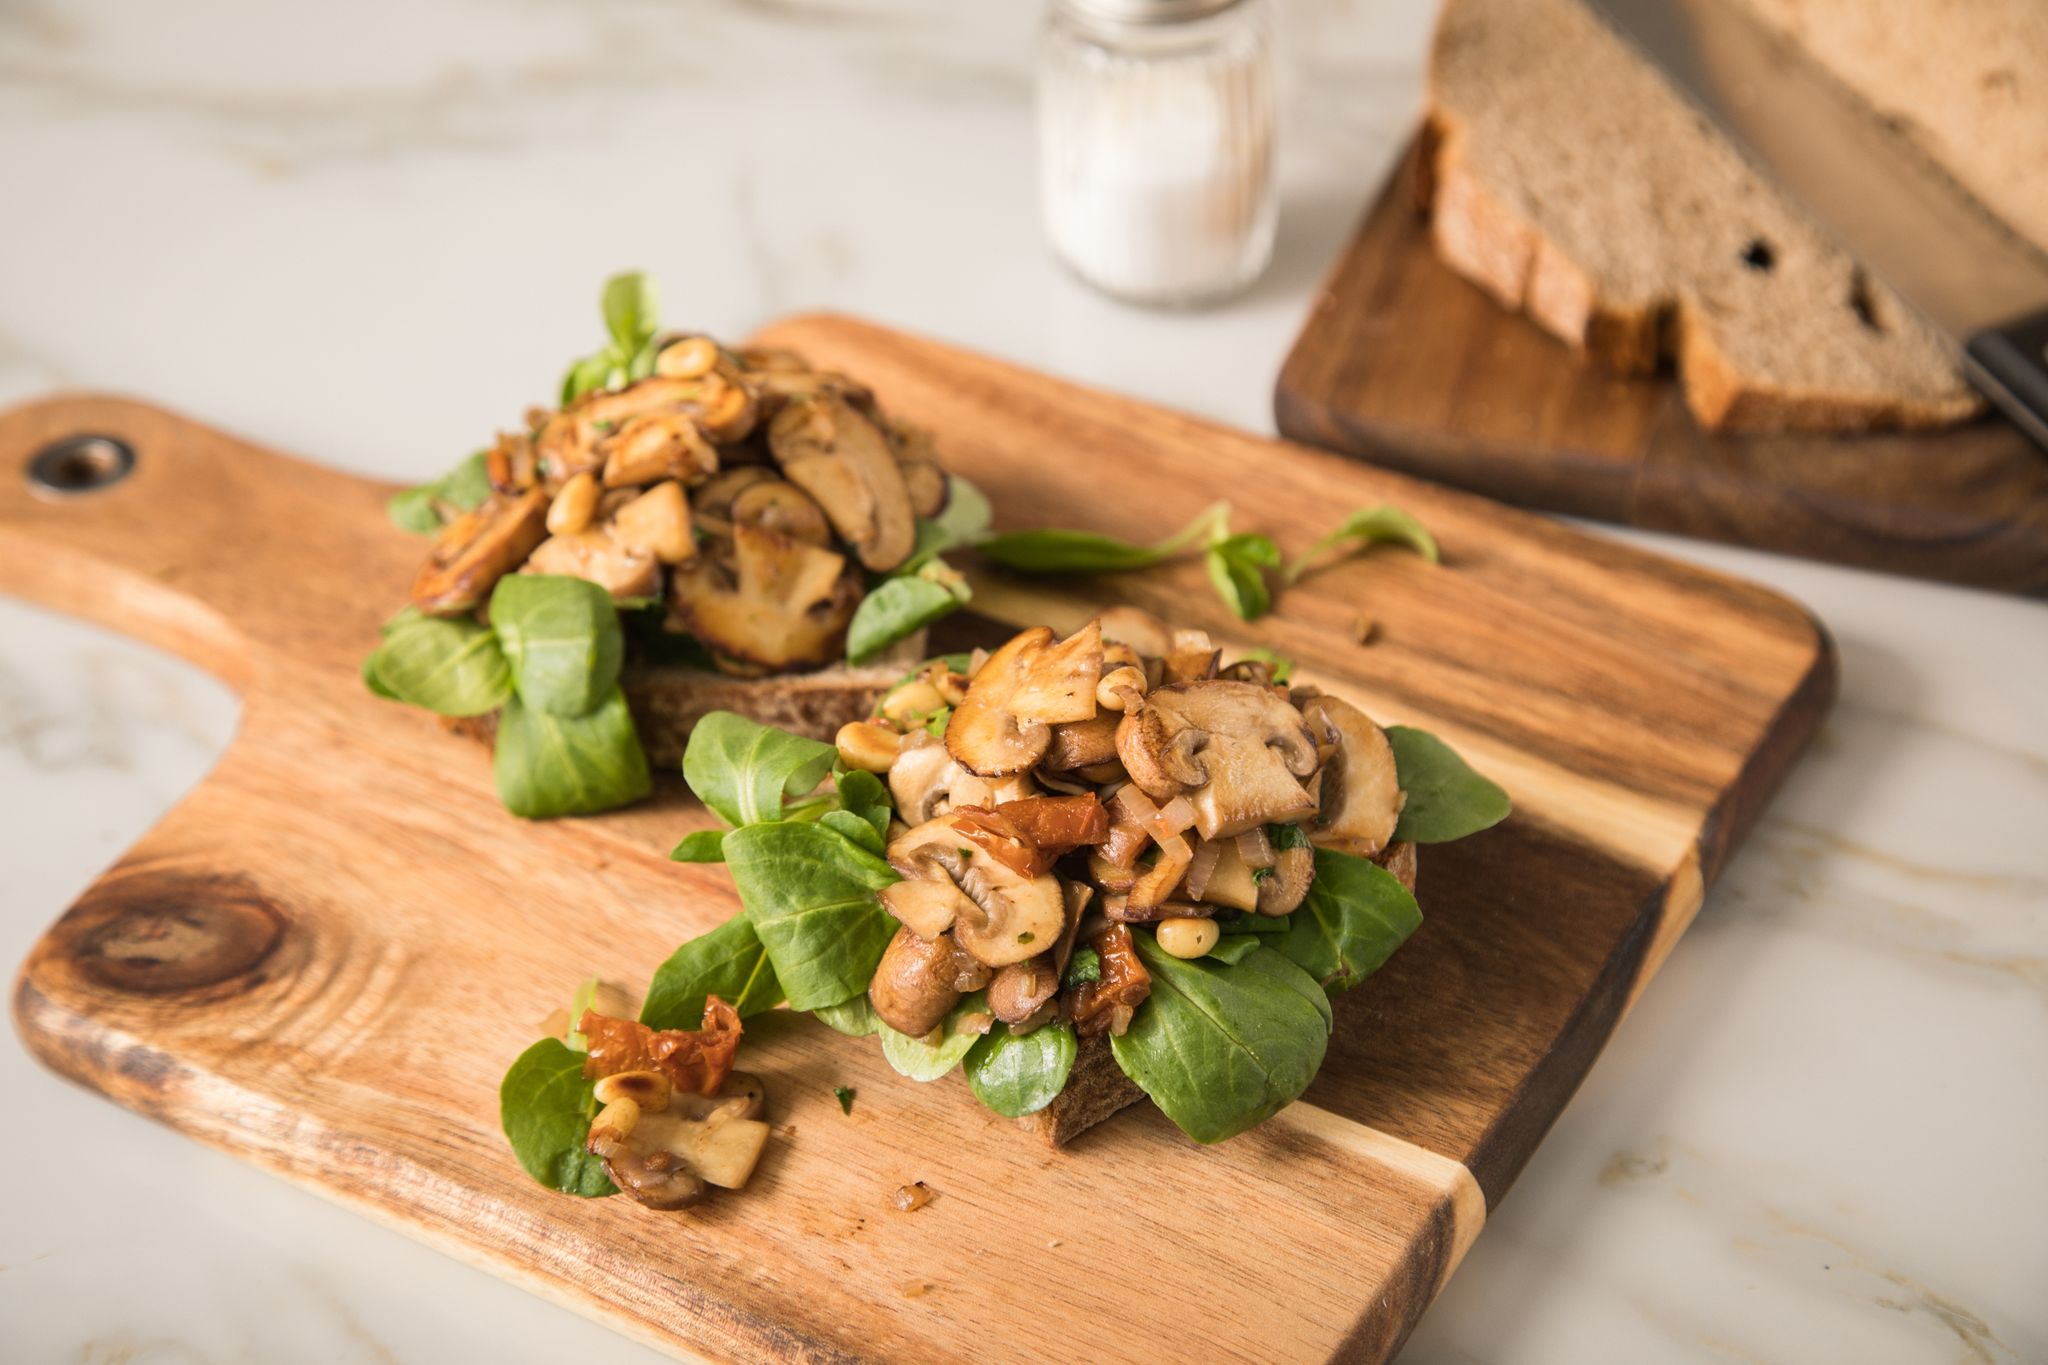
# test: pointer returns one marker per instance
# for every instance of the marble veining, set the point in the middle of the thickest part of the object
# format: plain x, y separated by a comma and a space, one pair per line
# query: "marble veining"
371, 233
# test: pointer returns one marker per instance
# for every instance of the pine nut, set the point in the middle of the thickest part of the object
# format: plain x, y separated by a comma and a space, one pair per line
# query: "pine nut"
650, 1090
867, 746
573, 507
1120, 688
917, 698
1188, 938
690, 358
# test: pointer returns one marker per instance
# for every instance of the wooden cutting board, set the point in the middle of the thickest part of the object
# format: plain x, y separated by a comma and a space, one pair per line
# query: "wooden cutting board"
1404, 362
324, 957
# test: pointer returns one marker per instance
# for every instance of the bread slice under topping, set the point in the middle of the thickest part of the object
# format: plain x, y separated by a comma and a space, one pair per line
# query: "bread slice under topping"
1573, 183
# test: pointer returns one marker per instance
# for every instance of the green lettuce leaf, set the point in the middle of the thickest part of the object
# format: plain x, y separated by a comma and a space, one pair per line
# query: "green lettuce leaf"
561, 637
548, 765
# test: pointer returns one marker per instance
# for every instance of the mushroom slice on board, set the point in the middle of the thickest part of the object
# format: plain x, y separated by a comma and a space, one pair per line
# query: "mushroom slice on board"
982, 734
1237, 751
624, 571
1000, 916
832, 451
778, 603
664, 1157
1361, 789
477, 549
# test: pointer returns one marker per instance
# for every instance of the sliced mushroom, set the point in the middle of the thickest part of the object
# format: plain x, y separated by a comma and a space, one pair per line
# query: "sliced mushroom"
1082, 743
913, 988
1000, 916
657, 523
657, 445
983, 734
1230, 882
830, 450
624, 571
1284, 889
1361, 790
778, 604
663, 1157
1236, 750
1020, 990
778, 505
1058, 683
477, 549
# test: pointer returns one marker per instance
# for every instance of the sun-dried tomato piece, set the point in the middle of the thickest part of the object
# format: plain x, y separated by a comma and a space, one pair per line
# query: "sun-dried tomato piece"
1107, 1004
695, 1060
1029, 835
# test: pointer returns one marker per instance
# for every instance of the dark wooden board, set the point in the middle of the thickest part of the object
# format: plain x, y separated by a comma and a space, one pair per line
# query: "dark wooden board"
1407, 364
324, 956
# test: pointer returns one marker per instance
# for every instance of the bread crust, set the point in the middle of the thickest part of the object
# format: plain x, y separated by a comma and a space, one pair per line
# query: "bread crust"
1097, 1087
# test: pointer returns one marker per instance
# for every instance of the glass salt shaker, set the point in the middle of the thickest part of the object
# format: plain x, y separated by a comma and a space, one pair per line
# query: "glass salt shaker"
1156, 131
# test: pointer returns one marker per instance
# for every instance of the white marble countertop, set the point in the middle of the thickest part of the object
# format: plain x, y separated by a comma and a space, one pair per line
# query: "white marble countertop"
369, 232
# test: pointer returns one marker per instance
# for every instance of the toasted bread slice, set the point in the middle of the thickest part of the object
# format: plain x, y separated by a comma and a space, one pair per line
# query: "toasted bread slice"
1098, 1088
667, 700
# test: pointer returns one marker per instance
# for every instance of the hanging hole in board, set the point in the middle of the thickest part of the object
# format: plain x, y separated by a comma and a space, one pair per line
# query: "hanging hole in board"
79, 464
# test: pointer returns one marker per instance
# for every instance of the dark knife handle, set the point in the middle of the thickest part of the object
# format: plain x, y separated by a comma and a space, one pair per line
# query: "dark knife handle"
2010, 363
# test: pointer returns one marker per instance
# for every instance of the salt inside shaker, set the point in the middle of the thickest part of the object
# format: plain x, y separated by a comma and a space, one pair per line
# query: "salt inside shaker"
1156, 133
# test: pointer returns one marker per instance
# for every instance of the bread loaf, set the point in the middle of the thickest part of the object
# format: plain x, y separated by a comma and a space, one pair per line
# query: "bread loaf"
1571, 181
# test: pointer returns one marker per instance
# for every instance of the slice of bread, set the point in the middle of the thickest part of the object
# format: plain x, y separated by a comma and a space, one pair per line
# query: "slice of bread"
1966, 81
667, 700
1097, 1088
1568, 179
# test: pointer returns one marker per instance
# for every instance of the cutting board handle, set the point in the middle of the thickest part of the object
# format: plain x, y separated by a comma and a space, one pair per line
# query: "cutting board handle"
187, 538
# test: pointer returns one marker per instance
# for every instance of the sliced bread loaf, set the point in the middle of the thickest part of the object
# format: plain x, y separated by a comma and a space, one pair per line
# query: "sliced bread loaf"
1573, 183
1966, 80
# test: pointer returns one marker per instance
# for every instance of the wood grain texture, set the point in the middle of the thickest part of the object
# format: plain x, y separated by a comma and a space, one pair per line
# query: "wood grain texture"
323, 958
1409, 365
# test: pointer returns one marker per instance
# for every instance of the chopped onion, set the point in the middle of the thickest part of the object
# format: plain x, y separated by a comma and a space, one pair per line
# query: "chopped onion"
1175, 816
1254, 849
1136, 806
1207, 851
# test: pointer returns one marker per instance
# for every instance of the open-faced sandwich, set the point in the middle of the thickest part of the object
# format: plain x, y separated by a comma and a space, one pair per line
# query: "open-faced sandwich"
1086, 871
693, 528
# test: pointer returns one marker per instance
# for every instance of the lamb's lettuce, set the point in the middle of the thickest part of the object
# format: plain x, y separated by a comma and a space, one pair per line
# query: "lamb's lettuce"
729, 962
1222, 1048
561, 637
810, 892
1018, 1074
1355, 915
545, 1107
451, 666
1446, 799
744, 770
923, 1060
548, 765
463, 488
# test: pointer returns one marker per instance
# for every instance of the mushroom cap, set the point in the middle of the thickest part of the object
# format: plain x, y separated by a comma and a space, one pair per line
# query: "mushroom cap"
831, 450
1238, 752
781, 602
1293, 870
913, 988
982, 733
1361, 792
1000, 916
